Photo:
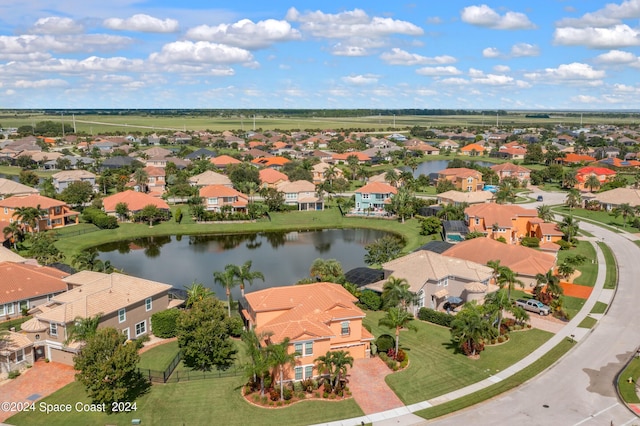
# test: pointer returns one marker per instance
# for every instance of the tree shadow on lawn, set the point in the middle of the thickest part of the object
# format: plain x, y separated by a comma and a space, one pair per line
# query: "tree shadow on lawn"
453, 347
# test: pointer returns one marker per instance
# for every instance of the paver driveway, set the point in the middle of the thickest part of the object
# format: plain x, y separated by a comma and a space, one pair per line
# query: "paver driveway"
366, 381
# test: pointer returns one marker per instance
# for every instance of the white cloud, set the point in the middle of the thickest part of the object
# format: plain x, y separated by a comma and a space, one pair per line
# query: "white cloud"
401, 57
92, 64
361, 79
246, 34
434, 20
502, 68
40, 84
437, 71
454, 81
56, 25
616, 57
351, 23
569, 73
340, 49
585, 99
25, 44
620, 35
609, 15
623, 88
524, 49
484, 16
201, 52
491, 52
143, 23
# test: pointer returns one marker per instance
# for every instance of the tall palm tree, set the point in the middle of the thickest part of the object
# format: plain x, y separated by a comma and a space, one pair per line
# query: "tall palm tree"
569, 226
259, 366
625, 210
495, 267
141, 178
592, 182
196, 292
244, 273
569, 180
509, 279
397, 319
330, 173
31, 216
545, 213
391, 177
334, 363
83, 329
573, 199
280, 358
470, 327
326, 269
228, 279
499, 301
396, 293
16, 231
87, 259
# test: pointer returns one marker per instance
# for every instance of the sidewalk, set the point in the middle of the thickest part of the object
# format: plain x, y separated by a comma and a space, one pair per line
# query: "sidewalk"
405, 416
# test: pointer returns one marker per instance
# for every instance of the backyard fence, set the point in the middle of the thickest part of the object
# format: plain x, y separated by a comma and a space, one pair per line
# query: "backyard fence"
76, 232
171, 375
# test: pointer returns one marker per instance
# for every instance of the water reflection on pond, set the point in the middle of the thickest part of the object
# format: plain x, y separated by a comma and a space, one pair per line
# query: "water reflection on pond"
283, 257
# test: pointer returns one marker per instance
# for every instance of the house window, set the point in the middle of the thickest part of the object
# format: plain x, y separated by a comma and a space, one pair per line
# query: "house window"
141, 328
477, 221
443, 282
548, 237
303, 349
8, 309
344, 328
20, 355
469, 180
147, 304
212, 200
126, 333
53, 329
365, 196
23, 304
303, 372
298, 371
292, 195
308, 348
6, 210
308, 371
122, 315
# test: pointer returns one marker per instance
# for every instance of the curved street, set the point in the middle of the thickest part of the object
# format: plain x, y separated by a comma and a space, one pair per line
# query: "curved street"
579, 389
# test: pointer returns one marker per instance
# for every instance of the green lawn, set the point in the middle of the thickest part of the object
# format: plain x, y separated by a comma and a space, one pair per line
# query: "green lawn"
628, 390
435, 367
589, 270
599, 308
572, 305
6, 325
587, 322
160, 357
611, 279
15, 171
489, 392
600, 216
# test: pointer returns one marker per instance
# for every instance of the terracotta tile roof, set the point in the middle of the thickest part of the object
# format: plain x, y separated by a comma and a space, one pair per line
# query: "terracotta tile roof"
509, 167
271, 161
20, 281
577, 158
619, 196
210, 178
72, 175
473, 147
466, 197
136, 201
297, 186
272, 176
502, 214
224, 160
33, 200
550, 229
7, 255
98, 294
14, 341
462, 172
344, 157
377, 188
306, 309
523, 260
221, 191
155, 171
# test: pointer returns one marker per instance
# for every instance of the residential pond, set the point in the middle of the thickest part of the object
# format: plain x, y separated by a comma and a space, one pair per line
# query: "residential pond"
283, 257
428, 167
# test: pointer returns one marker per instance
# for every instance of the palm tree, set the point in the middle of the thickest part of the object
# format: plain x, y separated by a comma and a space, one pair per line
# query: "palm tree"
573, 199
470, 327
330, 173
498, 300
508, 279
566, 270
397, 319
16, 231
520, 314
550, 280
592, 182
545, 213
86, 260
31, 216
569, 180
141, 178
496, 267
244, 273
334, 363
326, 270
196, 292
396, 293
258, 368
279, 358
505, 194
228, 279
625, 210
83, 329
353, 163
391, 177
569, 226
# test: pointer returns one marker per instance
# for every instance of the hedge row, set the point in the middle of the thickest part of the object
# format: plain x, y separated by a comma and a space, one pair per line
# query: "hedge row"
436, 317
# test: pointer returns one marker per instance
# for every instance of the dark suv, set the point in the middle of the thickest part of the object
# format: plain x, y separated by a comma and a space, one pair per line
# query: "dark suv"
540, 198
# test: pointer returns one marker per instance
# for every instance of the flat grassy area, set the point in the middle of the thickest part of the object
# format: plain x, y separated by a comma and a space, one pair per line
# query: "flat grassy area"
435, 366
288, 221
611, 279
589, 270
599, 308
597, 216
628, 390
516, 380
197, 402
572, 305
160, 357
15, 171
587, 322
6, 325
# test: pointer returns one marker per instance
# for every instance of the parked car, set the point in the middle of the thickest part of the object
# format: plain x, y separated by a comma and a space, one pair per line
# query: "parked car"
534, 306
540, 198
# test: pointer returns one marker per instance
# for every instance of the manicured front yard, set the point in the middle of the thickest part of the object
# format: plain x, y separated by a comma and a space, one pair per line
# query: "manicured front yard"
435, 368
589, 269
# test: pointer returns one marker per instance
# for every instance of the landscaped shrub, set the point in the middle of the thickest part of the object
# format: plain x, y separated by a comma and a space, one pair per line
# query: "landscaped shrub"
383, 356
401, 355
99, 218
564, 245
385, 342
163, 323
274, 394
308, 385
468, 348
13, 374
236, 326
436, 317
530, 242
370, 300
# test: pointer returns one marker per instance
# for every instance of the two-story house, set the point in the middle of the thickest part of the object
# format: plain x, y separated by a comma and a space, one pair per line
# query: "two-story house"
372, 197
62, 179
271, 178
473, 150
9, 187
463, 179
210, 177
122, 302
135, 201
215, 197
510, 170
301, 193
55, 213
316, 318
603, 175
434, 277
319, 172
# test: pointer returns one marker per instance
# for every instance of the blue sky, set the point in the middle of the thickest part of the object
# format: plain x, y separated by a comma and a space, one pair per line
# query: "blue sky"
548, 54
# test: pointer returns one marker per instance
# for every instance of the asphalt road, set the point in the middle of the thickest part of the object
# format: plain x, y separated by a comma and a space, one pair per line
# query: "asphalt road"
579, 389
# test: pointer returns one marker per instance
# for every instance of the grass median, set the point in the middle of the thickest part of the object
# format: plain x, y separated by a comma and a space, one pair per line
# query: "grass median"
611, 279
